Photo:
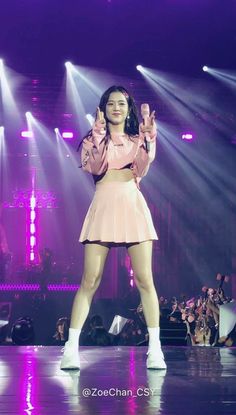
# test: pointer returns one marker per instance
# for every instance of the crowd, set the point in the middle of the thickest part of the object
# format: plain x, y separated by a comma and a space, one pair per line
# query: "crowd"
199, 315
95, 334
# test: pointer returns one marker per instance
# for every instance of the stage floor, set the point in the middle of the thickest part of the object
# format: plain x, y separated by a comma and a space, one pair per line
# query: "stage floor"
114, 380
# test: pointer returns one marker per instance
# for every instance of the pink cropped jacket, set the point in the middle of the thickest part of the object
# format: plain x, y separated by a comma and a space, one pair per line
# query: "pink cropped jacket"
99, 154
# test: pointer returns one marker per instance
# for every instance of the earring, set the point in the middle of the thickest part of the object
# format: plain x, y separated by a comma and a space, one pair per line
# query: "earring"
128, 121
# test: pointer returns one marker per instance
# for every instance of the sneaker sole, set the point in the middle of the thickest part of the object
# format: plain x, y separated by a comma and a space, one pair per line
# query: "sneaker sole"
70, 368
156, 368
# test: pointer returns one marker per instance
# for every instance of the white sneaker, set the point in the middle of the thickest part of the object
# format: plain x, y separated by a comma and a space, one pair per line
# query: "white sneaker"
70, 359
156, 359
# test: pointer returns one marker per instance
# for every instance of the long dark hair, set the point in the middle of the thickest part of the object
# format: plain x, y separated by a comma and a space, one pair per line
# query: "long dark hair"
131, 123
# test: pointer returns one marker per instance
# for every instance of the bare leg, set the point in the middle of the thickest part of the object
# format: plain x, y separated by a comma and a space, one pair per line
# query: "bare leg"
94, 260
95, 255
141, 259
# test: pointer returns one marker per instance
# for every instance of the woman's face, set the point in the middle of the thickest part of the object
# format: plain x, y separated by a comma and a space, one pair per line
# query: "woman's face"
117, 108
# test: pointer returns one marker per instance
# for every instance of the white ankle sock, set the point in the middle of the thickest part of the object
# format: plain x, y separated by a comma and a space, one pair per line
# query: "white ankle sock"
74, 336
154, 338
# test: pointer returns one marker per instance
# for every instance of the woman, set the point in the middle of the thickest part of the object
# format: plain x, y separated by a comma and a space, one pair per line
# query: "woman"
62, 330
117, 152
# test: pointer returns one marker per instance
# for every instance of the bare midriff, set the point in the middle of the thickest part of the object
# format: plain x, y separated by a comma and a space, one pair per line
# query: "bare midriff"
123, 175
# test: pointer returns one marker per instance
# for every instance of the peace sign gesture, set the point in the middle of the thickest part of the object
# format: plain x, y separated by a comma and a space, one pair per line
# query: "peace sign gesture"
100, 122
148, 123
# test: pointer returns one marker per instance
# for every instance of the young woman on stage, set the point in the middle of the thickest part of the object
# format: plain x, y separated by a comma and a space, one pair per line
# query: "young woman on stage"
117, 152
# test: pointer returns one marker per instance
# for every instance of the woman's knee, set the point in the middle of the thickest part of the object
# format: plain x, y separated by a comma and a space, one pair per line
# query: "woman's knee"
144, 281
90, 282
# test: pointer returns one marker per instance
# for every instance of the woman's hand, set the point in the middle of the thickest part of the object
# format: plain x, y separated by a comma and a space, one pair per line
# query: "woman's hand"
148, 125
100, 122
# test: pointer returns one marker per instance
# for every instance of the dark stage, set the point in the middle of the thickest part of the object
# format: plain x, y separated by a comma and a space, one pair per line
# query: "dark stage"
114, 380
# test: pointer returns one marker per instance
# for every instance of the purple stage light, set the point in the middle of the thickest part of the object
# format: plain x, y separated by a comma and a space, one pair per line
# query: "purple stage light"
32, 254
32, 241
21, 198
35, 81
28, 382
36, 287
187, 136
27, 134
63, 287
67, 134
67, 115
19, 287
131, 274
32, 202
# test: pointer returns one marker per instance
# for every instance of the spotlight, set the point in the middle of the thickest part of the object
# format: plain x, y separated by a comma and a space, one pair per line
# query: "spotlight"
205, 68
27, 134
1, 67
56, 130
187, 136
139, 68
67, 134
68, 64
1, 129
28, 114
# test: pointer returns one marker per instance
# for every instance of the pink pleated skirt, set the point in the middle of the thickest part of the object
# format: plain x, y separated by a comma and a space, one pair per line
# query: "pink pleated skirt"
119, 214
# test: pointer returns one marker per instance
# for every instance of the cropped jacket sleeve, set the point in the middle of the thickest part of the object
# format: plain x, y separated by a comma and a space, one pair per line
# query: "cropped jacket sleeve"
94, 151
143, 159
